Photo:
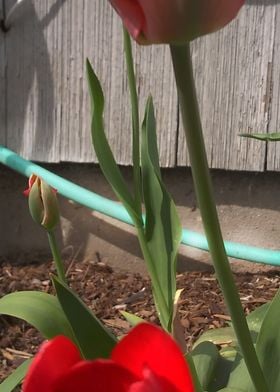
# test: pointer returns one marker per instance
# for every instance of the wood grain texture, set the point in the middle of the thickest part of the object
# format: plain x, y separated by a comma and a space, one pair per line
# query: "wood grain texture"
273, 97
2, 85
231, 70
47, 98
47, 102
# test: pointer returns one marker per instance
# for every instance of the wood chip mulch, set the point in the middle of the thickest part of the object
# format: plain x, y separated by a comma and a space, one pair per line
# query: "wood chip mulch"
107, 292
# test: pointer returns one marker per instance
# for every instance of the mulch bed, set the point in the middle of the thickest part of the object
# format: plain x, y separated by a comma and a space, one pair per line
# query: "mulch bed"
107, 292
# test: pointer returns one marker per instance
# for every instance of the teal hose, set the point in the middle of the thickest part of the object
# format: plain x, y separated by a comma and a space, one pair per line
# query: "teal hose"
115, 210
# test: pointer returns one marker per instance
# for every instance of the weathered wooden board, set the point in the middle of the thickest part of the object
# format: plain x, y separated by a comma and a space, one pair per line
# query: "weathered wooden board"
231, 71
47, 102
47, 99
273, 149
2, 85
34, 79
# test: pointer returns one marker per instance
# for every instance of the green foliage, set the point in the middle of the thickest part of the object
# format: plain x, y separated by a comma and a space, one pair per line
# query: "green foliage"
103, 151
39, 309
230, 371
131, 318
162, 226
266, 137
91, 336
268, 345
205, 357
160, 236
14, 379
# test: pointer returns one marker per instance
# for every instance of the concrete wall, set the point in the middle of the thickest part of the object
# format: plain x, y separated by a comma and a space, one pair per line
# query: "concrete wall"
248, 205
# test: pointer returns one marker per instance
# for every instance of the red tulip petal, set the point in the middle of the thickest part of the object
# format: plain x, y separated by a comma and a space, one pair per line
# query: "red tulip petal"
54, 358
101, 375
147, 346
152, 383
26, 192
131, 14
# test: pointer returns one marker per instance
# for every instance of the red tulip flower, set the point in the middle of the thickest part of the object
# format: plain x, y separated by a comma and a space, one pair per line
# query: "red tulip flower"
146, 360
174, 21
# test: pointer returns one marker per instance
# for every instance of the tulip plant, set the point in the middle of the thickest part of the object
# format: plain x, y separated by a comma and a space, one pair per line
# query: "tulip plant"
80, 353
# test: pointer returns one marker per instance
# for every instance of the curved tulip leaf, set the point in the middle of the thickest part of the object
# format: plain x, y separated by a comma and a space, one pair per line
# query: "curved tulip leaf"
268, 345
205, 357
14, 379
256, 317
226, 336
39, 309
239, 376
92, 337
267, 137
228, 389
132, 319
102, 149
220, 337
163, 230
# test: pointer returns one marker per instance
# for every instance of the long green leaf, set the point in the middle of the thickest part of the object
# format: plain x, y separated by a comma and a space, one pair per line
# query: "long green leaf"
256, 317
205, 357
163, 230
239, 376
268, 345
102, 149
266, 137
228, 389
39, 309
92, 337
221, 373
14, 379
135, 119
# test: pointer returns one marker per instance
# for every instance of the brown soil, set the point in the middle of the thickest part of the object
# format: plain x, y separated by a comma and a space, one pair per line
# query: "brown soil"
107, 292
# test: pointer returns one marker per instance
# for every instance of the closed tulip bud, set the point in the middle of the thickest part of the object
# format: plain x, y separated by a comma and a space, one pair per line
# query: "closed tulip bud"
174, 21
42, 200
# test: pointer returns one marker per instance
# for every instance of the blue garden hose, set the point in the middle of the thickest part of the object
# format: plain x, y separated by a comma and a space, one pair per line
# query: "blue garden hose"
115, 210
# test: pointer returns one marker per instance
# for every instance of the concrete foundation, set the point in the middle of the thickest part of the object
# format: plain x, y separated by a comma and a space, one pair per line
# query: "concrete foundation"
248, 206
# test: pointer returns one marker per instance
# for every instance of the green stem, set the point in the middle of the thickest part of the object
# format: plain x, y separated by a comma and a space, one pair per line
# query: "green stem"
162, 307
56, 256
182, 65
135, 119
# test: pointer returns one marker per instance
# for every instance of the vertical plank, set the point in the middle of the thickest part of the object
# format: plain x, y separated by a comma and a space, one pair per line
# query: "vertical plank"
155, 77
231, 70
97, 34
2, 85
48, 101
273, 97
34, 80
48, 116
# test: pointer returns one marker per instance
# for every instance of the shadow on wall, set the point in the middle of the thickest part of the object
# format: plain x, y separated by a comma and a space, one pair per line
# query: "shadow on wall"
28, 59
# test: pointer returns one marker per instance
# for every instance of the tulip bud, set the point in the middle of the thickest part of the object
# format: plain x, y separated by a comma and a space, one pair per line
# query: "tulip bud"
174, 21
42, 200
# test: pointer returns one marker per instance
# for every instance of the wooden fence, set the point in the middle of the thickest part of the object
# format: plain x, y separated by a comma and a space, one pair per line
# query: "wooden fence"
44, 103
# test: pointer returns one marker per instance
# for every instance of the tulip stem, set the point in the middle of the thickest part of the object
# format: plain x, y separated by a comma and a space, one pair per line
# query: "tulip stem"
57, 257
135, 119
182, 65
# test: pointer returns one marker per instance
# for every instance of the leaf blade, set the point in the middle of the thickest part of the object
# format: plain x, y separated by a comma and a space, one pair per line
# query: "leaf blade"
102, 149
93, 339
39, 309
14, 379
163, 230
